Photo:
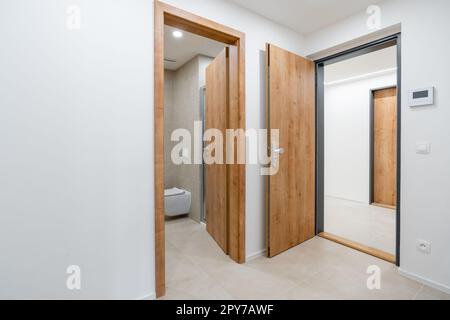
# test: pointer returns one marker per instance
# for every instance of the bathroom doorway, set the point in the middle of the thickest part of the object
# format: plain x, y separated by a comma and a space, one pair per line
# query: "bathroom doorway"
199, 75
186, 60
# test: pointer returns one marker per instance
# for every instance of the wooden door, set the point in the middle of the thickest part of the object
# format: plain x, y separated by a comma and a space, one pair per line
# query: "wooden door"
216, 108
291, 109
385, 147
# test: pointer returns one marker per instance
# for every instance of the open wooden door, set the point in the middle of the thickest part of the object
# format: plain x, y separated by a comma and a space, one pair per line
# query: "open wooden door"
291, 109
216, 112
385, 147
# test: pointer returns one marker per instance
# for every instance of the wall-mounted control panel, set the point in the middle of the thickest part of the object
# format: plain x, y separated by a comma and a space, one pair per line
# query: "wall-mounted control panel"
421, 97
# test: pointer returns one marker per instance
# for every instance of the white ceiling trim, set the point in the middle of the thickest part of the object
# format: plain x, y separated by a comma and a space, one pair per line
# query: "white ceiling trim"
362, 77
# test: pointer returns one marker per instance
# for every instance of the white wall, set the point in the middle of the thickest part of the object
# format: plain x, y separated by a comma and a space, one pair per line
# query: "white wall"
347, 136
76, 141
76, 138
425, 179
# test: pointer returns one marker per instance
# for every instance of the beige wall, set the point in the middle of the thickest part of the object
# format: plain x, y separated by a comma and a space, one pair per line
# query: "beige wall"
182, 108
169, 107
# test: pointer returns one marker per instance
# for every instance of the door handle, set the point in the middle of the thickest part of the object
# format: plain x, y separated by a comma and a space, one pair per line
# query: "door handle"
279, 151
276, 152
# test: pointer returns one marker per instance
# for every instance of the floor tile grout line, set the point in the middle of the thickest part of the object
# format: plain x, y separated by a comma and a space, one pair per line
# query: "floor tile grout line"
418, 292
200, 268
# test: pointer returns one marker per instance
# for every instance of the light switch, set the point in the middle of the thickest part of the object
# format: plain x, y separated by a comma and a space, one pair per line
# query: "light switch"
423, 148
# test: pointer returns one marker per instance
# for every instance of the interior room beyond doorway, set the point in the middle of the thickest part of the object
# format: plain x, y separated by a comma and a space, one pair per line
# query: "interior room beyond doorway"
360, 151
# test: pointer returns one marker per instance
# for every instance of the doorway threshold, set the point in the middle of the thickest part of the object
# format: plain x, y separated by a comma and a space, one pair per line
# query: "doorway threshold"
354, 245
386, 206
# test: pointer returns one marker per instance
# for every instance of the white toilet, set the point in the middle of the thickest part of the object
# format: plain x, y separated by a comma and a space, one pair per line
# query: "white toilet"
177, 202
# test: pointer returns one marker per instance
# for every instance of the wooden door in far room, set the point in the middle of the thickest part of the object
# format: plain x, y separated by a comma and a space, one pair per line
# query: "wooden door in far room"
385, 147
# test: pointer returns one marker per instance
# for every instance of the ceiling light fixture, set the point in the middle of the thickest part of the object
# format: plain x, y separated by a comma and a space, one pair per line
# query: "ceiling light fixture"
177, 34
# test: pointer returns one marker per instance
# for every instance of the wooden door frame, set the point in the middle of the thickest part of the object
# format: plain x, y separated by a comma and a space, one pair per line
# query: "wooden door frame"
393, 40
372, 138
165, 14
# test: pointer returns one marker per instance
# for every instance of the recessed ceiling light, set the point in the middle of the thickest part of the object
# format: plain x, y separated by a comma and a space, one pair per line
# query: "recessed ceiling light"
177, 34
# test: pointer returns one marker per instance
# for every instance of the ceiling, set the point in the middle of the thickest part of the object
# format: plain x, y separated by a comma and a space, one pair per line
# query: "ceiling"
182, 50
305, 16
378, 61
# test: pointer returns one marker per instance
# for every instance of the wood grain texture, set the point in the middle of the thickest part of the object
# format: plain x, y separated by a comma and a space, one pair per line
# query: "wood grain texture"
233, 176
385, 147
160, 282
240, 192
189, 22
291, 213
384, 206
354, 245
216, 117
167, 14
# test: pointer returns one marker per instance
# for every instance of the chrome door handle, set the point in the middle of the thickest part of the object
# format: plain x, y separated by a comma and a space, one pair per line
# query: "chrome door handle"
279, 151
275, 163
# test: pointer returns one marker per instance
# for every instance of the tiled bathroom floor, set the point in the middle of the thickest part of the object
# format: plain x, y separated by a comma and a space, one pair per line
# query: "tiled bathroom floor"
318, 269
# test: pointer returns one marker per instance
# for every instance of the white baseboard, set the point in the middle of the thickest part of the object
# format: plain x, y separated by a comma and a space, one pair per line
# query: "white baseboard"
151, 296
255, 255
424, 281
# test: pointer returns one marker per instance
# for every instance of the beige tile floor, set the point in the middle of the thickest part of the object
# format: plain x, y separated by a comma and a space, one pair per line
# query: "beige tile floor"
318, 269
362, 223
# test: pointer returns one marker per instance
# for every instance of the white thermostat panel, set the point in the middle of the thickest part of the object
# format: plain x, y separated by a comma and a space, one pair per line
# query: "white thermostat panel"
421, 97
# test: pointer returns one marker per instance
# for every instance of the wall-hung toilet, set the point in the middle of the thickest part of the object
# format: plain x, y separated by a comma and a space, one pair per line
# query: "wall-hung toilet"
177, 202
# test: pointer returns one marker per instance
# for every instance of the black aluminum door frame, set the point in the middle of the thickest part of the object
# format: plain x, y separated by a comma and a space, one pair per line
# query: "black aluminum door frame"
393, 40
